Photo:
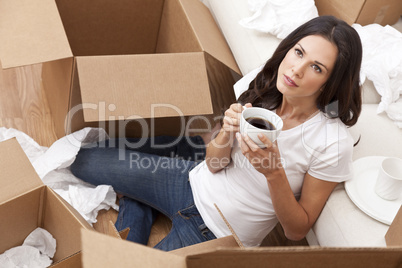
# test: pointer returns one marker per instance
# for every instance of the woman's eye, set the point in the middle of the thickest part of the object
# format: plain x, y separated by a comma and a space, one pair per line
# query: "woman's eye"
298, 52
316, 68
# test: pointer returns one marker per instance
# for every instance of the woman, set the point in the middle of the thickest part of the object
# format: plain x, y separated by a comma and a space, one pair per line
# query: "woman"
312, 83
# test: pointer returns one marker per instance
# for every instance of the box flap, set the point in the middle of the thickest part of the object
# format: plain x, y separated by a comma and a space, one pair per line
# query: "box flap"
111, 27
176, 35
100, 250
393, 237
236, 238
112, 231
144, 86
66, 231
208, 33
346, 10
20, 216
381, 12
69, 262
31, 32
310, 257
208, 246
17, 175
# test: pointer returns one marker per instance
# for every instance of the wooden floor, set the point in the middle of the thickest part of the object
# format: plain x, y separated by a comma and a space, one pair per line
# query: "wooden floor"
23, 106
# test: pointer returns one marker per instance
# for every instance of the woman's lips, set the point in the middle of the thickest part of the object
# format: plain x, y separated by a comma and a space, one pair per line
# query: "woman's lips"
289, 81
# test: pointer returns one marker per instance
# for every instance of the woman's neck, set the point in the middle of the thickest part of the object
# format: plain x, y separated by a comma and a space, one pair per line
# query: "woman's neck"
295, 113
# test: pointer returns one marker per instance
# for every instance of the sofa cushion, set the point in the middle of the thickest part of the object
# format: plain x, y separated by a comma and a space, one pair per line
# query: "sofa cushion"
378, 134
343, 224
250, 48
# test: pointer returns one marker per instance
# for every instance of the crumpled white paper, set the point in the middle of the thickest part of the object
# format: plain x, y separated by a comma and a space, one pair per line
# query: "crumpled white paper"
382, 64
37, 251
279, 17
394, 112
85, 198
52, 165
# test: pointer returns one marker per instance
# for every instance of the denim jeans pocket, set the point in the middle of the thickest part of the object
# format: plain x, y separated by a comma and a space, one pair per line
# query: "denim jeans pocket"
192, 214
189, 212
206, 232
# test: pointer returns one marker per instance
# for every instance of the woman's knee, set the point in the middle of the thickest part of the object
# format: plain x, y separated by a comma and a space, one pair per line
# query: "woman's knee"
83, 164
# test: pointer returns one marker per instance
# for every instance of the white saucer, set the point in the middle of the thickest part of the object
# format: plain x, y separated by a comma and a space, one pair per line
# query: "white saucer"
361, 190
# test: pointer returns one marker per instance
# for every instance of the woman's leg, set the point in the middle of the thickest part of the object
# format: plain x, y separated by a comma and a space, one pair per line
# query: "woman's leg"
185, 147
159, 182
188, 228
132, 213
151, 179
136, 216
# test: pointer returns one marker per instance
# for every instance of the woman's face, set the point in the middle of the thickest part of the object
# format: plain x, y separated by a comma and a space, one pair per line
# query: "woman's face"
306, 67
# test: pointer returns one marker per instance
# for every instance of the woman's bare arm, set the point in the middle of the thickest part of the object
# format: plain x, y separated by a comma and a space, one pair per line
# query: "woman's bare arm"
295, 216
218, 151
220, 148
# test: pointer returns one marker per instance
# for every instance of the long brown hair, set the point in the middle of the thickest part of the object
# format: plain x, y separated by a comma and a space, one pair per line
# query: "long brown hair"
341, 94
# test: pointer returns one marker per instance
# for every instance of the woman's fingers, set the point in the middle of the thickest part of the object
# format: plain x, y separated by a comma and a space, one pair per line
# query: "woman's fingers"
250, 145
231, 124
263, 159
236, 107
267, 142
231, 120
248, 105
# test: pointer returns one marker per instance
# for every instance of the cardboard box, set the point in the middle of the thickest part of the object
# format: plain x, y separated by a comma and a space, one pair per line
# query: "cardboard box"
108, 63
75, 261
362, 11
104, 251
26, 203
393, 237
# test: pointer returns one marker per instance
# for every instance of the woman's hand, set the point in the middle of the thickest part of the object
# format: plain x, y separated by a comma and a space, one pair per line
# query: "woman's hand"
231, 120
220, 148
265, 160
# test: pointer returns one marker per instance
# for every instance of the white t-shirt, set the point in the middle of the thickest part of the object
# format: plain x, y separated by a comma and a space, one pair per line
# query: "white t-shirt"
320, 146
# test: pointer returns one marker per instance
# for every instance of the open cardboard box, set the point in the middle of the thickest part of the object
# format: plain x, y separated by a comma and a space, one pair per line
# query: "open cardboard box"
362, 11
113, 62
100, 250
26, 203
75, 261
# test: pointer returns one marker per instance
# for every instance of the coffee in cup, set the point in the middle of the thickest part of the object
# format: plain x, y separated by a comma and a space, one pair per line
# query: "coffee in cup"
260, 123
256, 120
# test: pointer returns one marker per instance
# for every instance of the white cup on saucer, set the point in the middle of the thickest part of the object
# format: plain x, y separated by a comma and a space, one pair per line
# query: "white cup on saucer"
389, 181
262, 119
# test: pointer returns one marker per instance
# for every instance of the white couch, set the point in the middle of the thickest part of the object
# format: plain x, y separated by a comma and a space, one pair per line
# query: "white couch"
341, 223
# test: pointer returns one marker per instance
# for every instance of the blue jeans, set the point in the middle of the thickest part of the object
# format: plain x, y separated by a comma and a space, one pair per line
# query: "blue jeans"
151, 179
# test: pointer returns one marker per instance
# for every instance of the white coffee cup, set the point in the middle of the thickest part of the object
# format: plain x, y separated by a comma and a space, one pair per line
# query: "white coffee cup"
389, 180
252, 131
